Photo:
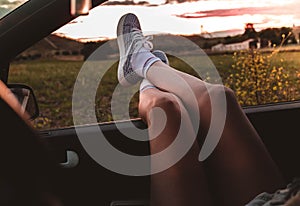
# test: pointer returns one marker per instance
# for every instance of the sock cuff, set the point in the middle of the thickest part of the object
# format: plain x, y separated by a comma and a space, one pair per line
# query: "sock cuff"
147, 87
148, 64
145, 84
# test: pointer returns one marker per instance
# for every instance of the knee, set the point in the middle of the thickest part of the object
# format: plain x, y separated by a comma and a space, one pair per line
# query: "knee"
229, 94
168, 103
216, 91
219, 89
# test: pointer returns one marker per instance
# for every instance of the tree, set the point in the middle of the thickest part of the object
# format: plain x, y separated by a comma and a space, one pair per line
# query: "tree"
250, 31
287, 35
277, 36
271, 35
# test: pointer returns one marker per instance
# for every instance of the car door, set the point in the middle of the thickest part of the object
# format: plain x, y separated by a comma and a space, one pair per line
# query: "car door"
82, 180
85, 181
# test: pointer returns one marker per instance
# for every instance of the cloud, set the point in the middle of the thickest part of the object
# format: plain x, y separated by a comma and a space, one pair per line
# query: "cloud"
179, 1
267, 10
126, 2
225, 12
144, 2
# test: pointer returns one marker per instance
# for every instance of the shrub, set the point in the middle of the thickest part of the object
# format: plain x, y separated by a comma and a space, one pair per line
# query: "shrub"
260, 78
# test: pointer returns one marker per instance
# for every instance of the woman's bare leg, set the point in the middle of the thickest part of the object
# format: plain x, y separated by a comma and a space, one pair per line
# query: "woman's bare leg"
184, 183
240, 149
168, 79
240, 167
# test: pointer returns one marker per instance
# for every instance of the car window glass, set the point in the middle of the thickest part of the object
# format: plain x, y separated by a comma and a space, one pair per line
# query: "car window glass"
259, 60
7, 6
51, 67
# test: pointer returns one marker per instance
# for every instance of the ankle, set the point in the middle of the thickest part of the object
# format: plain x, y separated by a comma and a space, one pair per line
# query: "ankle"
142, 61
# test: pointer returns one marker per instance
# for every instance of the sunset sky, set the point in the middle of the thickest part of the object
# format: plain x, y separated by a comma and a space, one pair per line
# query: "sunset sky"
216, 17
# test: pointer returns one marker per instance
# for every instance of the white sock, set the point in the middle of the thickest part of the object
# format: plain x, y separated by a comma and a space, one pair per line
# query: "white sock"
145, 84
142, 60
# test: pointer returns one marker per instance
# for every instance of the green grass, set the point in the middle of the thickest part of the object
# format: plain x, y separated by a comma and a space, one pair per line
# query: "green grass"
53, 83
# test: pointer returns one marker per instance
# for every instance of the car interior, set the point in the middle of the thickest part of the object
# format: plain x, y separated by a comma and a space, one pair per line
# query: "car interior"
54, 160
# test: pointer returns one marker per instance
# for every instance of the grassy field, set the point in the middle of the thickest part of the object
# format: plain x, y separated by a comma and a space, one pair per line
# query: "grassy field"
53, 83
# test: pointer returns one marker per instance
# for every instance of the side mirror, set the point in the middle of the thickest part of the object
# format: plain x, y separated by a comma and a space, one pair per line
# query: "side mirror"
26, 98
80, 7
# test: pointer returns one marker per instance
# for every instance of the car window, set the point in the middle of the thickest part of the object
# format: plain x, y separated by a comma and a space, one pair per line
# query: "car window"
254, 45
7, 6
51, 67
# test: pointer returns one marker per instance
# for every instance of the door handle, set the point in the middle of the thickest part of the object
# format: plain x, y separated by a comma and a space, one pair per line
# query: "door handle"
72, 160
130, 203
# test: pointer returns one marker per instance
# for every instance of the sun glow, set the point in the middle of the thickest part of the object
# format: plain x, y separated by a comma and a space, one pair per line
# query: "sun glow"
212, 16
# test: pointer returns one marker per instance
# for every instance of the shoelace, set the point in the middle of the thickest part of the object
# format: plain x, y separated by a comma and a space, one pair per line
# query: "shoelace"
140, 40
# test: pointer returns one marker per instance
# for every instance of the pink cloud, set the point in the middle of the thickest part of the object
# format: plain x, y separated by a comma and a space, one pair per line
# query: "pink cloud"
233, 12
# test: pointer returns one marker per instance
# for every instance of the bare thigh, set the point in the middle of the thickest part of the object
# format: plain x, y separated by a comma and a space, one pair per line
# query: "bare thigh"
184, 183
240, 166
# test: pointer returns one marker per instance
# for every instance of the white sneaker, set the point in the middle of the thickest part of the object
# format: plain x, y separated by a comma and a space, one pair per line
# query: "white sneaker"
132, 42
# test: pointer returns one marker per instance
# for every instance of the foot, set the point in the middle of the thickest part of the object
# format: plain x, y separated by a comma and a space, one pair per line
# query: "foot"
161, 55
135, 55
